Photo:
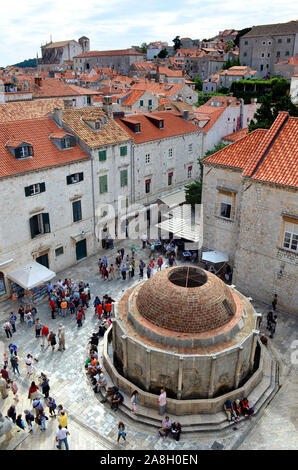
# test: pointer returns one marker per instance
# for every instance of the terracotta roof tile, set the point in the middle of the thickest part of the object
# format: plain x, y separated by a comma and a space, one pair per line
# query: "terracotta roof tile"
28, 109
46, 154
53, 87
109, 133
173, 125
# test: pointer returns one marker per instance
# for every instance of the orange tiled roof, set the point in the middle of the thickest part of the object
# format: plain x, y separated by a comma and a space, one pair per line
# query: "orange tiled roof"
165, 89
28, 109
212, 113
53, 87
109, 53
290, 61
265, 155
236, 135
46, 154
173, 125
134, 96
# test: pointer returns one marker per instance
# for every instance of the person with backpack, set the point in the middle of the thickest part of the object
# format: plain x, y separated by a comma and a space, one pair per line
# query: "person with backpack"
11, 413
52, 406
19, 422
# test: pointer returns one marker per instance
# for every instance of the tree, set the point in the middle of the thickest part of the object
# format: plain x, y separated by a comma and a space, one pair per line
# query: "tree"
229, 45
177, 43
214, 150
26, 63
198, 84
277, 100
162, 54
144, 47
231, 63
193, 193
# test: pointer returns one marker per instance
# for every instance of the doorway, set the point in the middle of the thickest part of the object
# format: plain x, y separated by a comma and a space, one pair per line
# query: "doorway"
81, 249
43, 259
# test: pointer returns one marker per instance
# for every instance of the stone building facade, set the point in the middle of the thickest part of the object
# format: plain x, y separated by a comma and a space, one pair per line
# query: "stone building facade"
251, 211
119, 60
56, 54
265, 45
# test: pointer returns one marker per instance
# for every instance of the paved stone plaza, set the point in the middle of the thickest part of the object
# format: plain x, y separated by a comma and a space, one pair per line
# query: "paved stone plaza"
93, 425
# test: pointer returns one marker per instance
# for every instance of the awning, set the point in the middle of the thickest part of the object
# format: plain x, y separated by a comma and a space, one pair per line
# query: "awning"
215, 256
31, 275
181, 228
173, 199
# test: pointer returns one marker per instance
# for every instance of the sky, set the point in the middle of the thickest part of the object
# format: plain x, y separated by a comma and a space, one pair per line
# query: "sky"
119, 24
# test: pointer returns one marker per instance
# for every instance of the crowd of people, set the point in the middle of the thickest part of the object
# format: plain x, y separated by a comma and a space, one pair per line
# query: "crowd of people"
237, 409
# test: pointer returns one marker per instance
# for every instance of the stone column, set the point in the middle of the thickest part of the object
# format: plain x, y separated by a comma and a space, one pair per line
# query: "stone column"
212, 377
125, 362
148, 369
238, 368
180, 375
253, 348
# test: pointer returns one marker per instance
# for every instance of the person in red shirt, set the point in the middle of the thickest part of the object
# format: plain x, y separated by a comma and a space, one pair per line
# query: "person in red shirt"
79, 318
84, 299
108, 308
99, 310
159, 263
44, 334
52, 306
5, 374
32, 389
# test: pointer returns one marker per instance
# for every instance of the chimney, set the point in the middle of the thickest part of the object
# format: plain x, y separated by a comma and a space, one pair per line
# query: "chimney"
107, 104
37, 81
58, 115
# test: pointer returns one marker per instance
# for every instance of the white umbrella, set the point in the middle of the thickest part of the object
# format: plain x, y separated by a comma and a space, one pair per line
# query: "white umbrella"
31, 275
215, 257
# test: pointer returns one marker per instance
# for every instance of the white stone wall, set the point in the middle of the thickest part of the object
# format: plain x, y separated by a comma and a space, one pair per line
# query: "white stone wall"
260, 256
16, 210
160, 165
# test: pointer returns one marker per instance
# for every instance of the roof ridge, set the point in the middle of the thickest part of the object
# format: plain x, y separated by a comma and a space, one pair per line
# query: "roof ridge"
267, 143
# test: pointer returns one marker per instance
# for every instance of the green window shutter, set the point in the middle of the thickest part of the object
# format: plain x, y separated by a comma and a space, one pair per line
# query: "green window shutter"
77, 211
150, 102
141, 102
102, 155
46, 222
28, 191
42, 187
123, 151
32, 227
103, 184
81, 176
68, 179
123, 178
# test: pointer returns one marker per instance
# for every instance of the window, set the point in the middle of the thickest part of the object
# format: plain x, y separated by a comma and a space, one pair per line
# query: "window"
246, 43
24, 152
39, 224
102, 155
278, 54
170, 179
141, 102
261, 67
190, 148
269, 43
262, 55
123, 151
268, 55
170, 153
103, 184
263, 43
287, 53
59, 251
245, 54
290, 240
123, 178
279, 41
288, 40
67, 142
75, 178
147, 158
225, 204
189, 172
124, 203
77, 211
35, 189
147, 186
149, 102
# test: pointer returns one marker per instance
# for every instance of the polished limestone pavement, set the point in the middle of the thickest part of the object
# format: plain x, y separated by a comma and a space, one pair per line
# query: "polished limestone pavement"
93, 425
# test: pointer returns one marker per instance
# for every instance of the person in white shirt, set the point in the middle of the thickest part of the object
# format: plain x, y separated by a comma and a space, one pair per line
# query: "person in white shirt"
162, 400
61, 436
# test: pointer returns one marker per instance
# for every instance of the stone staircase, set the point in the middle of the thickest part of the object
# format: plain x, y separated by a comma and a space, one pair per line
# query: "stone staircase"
208, 423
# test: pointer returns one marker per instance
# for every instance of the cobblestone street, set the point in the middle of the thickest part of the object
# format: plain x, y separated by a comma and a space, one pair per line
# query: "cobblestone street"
93, 425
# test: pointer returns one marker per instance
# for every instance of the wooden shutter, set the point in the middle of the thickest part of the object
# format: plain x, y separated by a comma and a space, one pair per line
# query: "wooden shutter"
28, 191
102, 155
46, 222
32, 227
103, 184
77, 211
68, 179
123, 151
31, 151
42, 187
81, 176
